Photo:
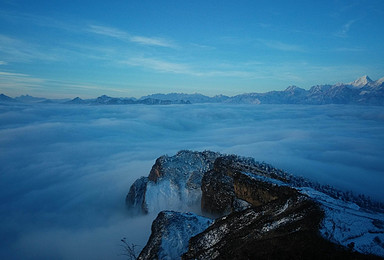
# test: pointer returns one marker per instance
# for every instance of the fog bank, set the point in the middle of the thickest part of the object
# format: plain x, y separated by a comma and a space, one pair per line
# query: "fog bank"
65, 169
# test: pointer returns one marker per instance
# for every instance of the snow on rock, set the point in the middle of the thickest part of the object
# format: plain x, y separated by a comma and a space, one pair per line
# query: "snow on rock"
280, 229
347, 224
171, 232
361, 82
265, 204
173, 183
344, 222
379, 82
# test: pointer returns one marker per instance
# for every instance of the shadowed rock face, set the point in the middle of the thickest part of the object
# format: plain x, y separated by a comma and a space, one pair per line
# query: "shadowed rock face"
224, 186
156, 171
217, 193
135, 197
258, 192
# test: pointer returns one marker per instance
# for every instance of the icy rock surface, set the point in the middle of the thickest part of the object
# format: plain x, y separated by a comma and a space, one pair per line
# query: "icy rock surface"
347, 224
344, 223
171, 232
173, 182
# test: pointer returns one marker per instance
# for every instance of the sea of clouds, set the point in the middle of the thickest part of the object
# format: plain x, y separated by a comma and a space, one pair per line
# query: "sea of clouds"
65, 169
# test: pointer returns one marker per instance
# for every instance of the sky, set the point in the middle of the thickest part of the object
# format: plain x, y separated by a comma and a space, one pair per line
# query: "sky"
60, 49
66, 170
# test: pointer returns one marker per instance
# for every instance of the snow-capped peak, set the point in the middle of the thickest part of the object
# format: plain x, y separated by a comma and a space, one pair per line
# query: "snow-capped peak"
293, 88
361, 82
379, 82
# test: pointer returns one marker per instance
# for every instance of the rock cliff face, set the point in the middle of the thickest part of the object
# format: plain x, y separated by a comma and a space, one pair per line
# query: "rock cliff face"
260, 213
136, 195
226, 187
173, 182
171, 232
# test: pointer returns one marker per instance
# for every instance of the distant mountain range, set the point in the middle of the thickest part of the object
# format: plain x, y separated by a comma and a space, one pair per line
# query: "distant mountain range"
363, 91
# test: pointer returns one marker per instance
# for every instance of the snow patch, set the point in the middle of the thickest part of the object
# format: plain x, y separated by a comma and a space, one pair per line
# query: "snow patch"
181, 227
344, 223
275, 224
347, 224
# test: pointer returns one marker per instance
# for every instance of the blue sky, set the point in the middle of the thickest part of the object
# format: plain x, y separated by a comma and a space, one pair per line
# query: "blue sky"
133, 48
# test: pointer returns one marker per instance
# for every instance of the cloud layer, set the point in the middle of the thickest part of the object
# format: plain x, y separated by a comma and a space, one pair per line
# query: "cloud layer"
65, 170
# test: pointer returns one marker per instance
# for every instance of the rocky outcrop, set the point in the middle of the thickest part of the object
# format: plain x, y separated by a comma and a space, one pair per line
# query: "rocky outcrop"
217, 193
226, 187
281, 229
261, 212
135, 199
173, 183
171, 232
280, 222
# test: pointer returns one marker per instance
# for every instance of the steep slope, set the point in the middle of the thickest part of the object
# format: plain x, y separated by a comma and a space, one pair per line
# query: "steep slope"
173, 182
5, 98
77, 101
171, 232
361, 82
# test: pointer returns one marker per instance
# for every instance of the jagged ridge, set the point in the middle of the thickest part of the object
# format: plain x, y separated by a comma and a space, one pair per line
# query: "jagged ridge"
362, 91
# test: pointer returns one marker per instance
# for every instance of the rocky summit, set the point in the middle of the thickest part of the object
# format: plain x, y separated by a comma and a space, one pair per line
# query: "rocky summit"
173, 183
251, 210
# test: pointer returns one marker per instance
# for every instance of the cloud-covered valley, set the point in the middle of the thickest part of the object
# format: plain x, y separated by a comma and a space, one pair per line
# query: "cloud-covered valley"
65, 169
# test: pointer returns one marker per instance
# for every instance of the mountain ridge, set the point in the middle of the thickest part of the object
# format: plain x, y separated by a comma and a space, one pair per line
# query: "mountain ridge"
362, 91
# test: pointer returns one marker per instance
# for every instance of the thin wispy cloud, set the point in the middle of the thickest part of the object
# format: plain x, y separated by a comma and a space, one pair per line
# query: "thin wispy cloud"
18, 50
163, 66
345, 29
202, 46
14, 49
229, 73
248, 71
27, 84
12, 80
13, 83
282, 46
40, 20
160, 65
11, 74
349, 49
124, 36
152, 41
78, 87
108, 31
187, 69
